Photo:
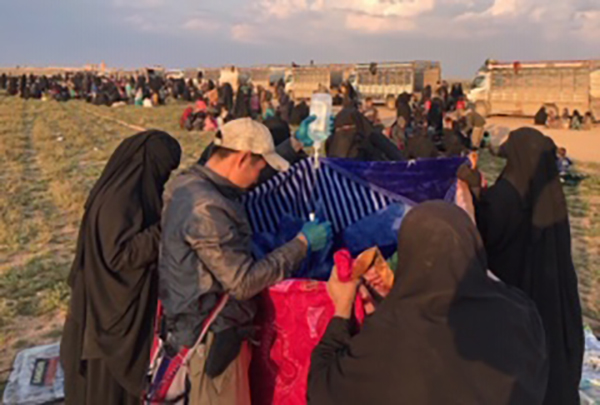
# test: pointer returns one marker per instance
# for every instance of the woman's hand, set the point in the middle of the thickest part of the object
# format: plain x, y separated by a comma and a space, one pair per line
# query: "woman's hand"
474, 159
342, 294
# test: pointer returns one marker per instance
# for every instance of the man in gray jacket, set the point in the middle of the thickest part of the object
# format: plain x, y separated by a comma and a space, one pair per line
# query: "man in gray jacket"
206, 253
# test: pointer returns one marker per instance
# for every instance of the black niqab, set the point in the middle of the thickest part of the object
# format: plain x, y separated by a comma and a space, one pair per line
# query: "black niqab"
435, 116
541, 117
356, 138
403, 108
280, 130
242, 104
446, 334
113, 277
524, 221
299, 113
226, 96
351, 131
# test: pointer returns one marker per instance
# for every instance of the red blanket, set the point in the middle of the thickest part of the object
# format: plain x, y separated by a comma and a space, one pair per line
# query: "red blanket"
293, 317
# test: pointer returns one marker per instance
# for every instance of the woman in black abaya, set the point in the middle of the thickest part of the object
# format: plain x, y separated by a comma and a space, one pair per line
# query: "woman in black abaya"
107, 336
445, 334
355, 138
541, 117
524, 222
403, 109
242, 103
226, 96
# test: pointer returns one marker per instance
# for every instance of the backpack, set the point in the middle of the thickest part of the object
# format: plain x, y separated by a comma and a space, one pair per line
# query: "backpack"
168, 376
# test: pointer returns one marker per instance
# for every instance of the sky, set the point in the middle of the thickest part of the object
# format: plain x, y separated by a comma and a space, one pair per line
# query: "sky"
461, 34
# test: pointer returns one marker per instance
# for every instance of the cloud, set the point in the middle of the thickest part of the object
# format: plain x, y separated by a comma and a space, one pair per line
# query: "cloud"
588, 24
139, 4
383, 8
504, 7
282, 8
375, 24
246, 33
201, 24
141, 23
379, 8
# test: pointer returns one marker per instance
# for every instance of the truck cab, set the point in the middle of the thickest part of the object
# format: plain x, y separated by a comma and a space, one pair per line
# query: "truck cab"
479, 94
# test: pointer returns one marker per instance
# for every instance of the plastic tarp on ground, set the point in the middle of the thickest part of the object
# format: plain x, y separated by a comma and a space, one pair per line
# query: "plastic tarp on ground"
37, 377
365, 202
590, 379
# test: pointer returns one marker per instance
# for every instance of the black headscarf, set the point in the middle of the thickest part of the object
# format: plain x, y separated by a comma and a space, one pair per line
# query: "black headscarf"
350, 96
286, 104
226, 96
113, 277
435, 116
280, 130
351, 130
524, 222
356, 138
299, 113
403, 108
242, 104
541, 117
446, 334
427, 93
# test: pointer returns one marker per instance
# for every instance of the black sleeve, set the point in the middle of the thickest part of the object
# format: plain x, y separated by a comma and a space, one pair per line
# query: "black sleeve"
325, 360
206, 154
137, 252
386, 147
498, 214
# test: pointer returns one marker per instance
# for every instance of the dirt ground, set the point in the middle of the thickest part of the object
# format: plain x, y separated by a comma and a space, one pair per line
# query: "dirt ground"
581, 145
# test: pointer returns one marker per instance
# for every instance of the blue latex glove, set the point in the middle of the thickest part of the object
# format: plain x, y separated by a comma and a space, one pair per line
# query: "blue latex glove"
303, 133
317, 234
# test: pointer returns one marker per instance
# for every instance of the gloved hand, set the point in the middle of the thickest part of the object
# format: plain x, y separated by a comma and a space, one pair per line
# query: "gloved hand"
317, 235
302, 134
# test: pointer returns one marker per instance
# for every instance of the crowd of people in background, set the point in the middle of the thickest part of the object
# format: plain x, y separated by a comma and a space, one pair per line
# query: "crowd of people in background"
147, 90
439, 123
550, 118
432, 124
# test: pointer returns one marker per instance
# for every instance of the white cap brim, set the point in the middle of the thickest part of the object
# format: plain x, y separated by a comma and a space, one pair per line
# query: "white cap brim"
276, 162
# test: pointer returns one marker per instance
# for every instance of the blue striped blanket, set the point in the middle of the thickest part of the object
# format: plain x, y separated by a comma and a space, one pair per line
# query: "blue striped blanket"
345, 191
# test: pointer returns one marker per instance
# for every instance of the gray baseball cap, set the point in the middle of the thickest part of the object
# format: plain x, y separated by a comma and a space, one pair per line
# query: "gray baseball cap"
245, 134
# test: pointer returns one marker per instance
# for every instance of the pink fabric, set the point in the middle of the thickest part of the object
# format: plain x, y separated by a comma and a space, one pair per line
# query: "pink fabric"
186, 113
200, 106
210, 124
255, 102
293, 316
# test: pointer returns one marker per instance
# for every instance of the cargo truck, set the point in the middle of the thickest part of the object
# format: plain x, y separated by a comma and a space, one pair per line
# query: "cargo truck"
384, 82
521, 88
303, 82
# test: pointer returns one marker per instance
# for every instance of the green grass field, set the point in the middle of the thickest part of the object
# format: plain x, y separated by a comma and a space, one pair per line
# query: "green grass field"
52, 153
